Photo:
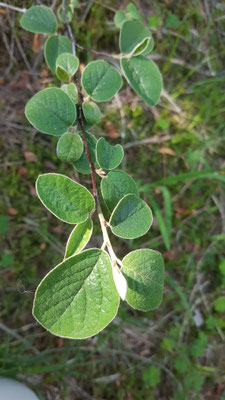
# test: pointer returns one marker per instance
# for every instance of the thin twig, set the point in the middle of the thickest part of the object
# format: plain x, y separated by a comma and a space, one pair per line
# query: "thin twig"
154, 139
81, 123
105, 6
22, 10
98, 53
71, 35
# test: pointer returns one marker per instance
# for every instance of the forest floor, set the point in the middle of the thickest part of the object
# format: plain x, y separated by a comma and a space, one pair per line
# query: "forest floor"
175, 152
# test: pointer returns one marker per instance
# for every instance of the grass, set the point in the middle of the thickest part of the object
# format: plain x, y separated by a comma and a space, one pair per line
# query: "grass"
177, 351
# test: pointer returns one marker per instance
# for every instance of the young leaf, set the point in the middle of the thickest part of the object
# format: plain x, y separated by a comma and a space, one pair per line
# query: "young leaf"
78, 238
66, 199
144, 77
82, 165
39, 19
78, 298
100, 80
92, 113
66, 66
119, 18
108, 156
54, 46
71, 91
144, 272
133, 13
70, 147
134, 38
115, 186
131, 218
51, 111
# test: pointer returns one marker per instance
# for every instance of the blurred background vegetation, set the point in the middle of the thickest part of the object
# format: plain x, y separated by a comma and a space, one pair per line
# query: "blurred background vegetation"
175, 152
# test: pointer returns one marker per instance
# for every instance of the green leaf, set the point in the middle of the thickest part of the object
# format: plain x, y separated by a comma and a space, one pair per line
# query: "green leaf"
172, 21
82, 165
71, 90
51, 111
221, 265
66, 199
92, 113
165, 224
70, 147
100, 80
119, 18
4, 224
115, 186
182, 363
7, 260
151, 376
154, 21
54, 46
219, 304
39, 19
134, 38
66, 66
144, 272
108, 156
61, 16
78, 238
78, 298
144, 77
131, 218
133, 13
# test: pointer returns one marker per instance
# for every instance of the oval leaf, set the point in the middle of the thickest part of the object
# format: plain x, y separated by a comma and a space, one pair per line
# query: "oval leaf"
71, 91
70, 147
82, 165
39, 19
144, 77
51, 111
100, 80
66, 66
66, 199
133, 12
131, 218
144, 272
78, 298
108, 156
115, 186
134, 38
54, 46
92, 113
78, 238
119, 18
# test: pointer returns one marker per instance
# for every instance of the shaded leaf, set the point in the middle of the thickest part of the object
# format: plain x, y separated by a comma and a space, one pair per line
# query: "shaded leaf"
82, 165
108, 156
78, 238
144, 272
115, 186
70, 147
131, 217
54, 46
92, 113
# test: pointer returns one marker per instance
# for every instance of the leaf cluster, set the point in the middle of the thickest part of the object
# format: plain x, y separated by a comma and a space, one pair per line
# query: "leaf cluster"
81, 295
